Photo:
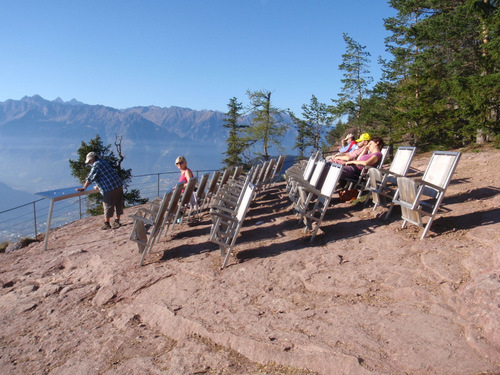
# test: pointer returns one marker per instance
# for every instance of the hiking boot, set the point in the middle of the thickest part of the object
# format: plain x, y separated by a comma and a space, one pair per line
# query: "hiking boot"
106, 226
117, 224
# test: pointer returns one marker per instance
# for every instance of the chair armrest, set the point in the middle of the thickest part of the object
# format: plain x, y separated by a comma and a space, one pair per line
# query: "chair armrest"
311, 189
216, 209
142, 218
428, 184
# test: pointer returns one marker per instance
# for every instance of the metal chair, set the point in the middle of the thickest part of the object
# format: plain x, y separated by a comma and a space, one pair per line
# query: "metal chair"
228, 226
422, 197
313, 208
382, 183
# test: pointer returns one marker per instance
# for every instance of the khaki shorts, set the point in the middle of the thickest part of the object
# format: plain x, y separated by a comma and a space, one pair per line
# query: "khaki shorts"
111, 200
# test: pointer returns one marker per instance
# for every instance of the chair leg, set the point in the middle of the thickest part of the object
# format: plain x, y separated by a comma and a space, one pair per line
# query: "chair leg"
389, 211
427, 227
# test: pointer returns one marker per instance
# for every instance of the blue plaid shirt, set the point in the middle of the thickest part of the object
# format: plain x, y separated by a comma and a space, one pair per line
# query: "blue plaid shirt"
104, 176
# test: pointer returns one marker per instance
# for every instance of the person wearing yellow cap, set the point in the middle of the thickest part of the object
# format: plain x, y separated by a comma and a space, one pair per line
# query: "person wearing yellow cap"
361, 149
364, 137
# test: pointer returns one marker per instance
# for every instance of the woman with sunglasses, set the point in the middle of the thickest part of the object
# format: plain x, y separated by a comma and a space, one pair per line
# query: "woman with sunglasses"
186, 173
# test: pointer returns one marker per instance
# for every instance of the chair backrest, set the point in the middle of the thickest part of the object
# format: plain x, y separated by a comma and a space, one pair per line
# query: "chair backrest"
384, 152
262, 173
331, 180
245, 202
225, 177
237, 172
174, 201
441, 168
213, 183
402, 160
256, 173
269, 170
318, 171
200, 191
310, 167
188, 191
162, 209
279, 165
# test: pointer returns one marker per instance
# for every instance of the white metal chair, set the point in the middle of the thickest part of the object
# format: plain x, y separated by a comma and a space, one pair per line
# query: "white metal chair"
313, 208
172, 210
228, 226
422, 197
277, 169
382, 183
296, 192
149, 217
210, 192
185, 203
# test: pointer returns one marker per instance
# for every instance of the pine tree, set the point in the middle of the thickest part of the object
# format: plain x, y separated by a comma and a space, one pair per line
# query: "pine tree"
356, 82
316, 116
235, 143
445, 70
267, 125
304, 135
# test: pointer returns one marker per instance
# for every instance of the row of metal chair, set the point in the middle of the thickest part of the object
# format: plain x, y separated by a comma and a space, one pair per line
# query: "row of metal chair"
178, 206
230, 206
387, 187
310, 187
418, 197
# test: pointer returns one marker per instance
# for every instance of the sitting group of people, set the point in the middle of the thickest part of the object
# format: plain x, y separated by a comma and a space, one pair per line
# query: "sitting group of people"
365, 151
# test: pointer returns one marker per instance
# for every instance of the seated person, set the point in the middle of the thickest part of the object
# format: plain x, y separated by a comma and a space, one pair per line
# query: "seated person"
361, 149
348, 144
353, 168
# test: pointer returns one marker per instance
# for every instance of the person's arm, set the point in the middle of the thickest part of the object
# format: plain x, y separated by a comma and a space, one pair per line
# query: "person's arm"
85, 186
371, 161
364, 151
343, 157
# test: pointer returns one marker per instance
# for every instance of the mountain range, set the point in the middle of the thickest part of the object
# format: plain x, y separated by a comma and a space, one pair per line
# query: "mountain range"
38, 137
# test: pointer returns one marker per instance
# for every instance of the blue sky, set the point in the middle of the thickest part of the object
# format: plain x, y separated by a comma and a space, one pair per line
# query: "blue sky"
188, 53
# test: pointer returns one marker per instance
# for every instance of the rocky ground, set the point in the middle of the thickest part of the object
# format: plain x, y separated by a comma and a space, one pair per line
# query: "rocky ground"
367, 297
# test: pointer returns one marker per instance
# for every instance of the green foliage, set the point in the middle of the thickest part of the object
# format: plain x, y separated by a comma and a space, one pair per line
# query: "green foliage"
496, 142
80, 170
356, 81
267, 126
443, 83
3, 246
304, 135
235, 142
317, 120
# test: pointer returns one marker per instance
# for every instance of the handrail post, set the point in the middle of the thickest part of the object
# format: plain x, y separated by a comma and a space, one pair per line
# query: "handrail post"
34, 217
158, 184
80, 207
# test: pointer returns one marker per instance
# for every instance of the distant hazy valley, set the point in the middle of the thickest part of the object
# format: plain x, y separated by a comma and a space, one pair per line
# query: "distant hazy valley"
38, 137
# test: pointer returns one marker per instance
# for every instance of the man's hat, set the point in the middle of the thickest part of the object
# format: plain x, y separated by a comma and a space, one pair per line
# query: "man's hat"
364, 137
90, 156
348, 136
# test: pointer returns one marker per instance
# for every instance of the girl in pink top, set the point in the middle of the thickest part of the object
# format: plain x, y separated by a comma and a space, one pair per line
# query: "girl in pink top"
186, 173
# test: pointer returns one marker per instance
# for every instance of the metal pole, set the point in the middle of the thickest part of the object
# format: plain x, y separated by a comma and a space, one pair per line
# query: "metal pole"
34, 217
80, 207
158, 179
48, 224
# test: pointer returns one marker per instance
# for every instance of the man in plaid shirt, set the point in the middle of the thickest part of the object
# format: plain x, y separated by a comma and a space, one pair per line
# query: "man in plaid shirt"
110, 186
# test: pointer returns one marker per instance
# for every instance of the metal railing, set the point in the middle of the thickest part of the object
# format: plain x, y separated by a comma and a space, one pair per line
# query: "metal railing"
30, 219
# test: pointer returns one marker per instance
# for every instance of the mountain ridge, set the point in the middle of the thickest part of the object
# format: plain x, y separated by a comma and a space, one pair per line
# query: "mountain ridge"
39, 136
